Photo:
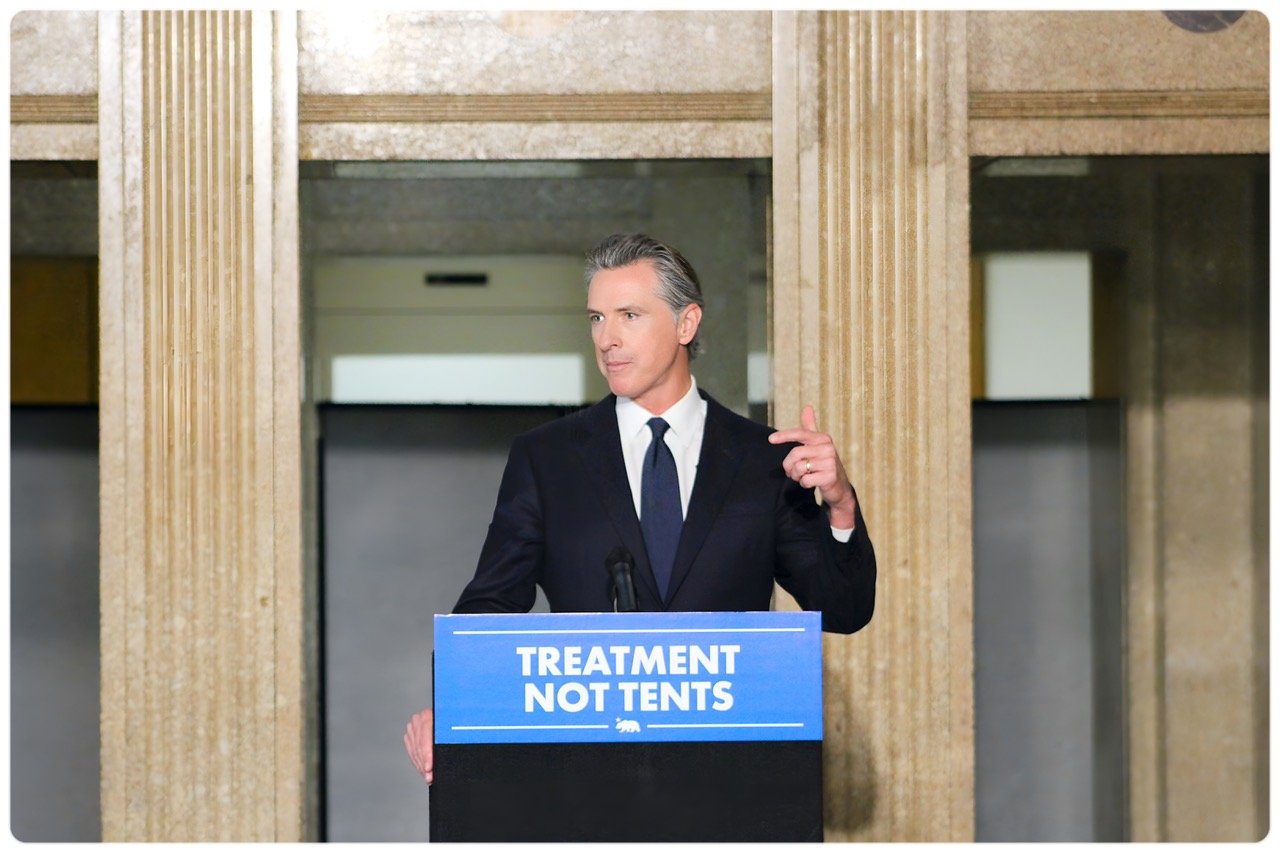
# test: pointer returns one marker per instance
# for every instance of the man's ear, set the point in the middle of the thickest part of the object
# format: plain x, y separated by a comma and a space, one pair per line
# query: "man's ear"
690, 319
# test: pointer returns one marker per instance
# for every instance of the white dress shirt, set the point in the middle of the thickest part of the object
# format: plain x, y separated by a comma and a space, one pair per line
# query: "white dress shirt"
685, 420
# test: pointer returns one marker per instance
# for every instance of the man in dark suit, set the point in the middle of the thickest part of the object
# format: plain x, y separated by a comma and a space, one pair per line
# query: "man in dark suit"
713, 507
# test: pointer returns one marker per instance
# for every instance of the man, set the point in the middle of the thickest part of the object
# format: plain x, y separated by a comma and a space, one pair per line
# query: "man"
713, 507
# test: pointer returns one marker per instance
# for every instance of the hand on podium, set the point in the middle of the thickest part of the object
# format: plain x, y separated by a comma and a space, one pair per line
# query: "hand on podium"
419, 742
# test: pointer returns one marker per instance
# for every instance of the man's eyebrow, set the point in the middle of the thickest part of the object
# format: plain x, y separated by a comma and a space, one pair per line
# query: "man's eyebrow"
622, 309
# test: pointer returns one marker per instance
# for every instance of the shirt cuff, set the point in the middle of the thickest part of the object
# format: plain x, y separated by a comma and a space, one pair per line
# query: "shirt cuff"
842, 534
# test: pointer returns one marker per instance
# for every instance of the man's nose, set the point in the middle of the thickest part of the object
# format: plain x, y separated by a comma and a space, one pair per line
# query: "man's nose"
606, 334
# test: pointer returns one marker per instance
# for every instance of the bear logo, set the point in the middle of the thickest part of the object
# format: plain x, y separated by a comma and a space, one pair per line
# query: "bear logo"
626, 726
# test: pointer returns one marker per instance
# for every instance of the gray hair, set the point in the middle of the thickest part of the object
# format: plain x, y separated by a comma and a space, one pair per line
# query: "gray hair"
677, 282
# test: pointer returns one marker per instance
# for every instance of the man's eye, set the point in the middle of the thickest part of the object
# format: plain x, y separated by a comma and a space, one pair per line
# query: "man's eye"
594, 318
631, 315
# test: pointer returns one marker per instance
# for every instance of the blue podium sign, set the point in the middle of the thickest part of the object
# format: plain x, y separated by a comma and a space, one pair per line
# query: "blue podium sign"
616, 677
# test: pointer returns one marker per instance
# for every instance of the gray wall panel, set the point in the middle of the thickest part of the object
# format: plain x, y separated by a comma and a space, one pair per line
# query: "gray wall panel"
408, 493
53, 613
1048, 573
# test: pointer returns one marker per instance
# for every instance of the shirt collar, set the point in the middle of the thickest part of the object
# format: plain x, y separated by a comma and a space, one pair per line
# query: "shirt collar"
682, 417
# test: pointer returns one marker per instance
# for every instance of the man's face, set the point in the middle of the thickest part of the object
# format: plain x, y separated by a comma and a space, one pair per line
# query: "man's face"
639, 343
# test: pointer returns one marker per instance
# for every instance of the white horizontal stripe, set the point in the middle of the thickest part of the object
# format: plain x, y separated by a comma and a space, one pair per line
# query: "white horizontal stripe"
642, 631
494, 728
506, 378
725, 725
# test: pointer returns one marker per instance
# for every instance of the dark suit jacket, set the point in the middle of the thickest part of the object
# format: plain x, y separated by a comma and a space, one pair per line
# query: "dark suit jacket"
565, 503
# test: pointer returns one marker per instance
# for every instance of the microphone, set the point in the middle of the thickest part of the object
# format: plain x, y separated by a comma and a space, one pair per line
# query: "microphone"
619, 564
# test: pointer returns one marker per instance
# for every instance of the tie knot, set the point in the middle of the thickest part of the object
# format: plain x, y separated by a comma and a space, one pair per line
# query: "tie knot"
659, 427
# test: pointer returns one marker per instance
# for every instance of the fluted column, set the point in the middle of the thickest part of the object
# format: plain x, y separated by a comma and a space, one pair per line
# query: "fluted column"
870, 324
203, 714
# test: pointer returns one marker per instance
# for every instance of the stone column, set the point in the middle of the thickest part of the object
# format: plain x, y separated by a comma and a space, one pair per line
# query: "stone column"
1197, 562
871, 325
203, 663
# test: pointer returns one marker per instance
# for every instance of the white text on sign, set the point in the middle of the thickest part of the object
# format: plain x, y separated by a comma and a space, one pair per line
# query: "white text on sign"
713, 659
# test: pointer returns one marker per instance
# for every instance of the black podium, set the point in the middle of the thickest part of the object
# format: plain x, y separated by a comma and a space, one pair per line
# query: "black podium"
628, 727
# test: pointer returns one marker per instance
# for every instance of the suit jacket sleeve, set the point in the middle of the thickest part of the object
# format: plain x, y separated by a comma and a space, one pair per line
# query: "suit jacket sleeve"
511, 559
822, 573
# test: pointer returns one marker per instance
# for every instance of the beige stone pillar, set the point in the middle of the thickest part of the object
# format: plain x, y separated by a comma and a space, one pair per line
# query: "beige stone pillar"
870, 324
1197, 460
201, 523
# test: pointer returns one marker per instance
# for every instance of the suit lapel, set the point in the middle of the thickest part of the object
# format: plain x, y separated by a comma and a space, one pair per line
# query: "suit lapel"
718, 461
601, 451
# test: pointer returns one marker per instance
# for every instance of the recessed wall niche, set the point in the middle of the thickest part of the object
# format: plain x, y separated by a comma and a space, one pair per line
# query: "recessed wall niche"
373, 232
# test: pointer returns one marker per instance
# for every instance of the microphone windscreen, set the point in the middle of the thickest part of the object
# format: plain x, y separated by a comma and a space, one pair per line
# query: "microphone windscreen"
619, 555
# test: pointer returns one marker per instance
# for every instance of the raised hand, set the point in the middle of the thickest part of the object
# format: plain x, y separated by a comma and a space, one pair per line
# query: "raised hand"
814, 464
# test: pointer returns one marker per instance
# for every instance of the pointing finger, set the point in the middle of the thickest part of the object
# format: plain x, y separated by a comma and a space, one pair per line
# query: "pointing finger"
809, 419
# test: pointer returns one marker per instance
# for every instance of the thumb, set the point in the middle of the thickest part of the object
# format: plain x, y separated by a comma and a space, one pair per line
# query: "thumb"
808, 419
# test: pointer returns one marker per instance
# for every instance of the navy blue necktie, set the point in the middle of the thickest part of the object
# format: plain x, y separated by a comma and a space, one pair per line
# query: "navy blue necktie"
660, 515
